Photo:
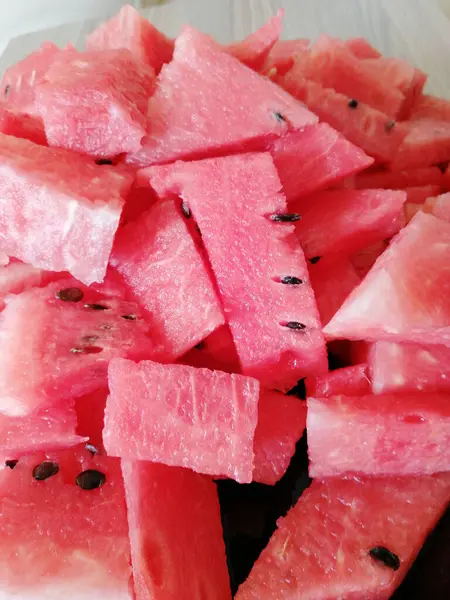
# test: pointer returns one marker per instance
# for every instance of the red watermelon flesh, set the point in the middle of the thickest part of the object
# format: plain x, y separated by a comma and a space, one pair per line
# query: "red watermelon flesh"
22, 125
128, 29
139, 200
216, 352
364, 260
427, 143
62, 541
439, 206
406, 295
431, 107
183, 123
281, 422
418, 194
314, 158
167, 277
411, 210
66, 346
58, 210
254, 50
15, 277
96, 102
169, 510
346, 221
282, 56
363, 126
90, 410
396, 180
332, 279
351, 381
393, 435
275, 325
321, 549
407, 368
361, 48
181, 416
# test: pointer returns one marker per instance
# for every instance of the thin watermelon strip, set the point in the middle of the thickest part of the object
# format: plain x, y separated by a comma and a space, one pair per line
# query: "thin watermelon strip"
427, 143
439, 206
181, 416
266, 295
399, 179
169, 508
184, 123
348, 538
166, 276
349, 381
216, 352
22, 125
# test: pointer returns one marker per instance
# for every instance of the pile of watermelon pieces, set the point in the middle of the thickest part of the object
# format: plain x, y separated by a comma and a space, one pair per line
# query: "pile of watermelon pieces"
192, 238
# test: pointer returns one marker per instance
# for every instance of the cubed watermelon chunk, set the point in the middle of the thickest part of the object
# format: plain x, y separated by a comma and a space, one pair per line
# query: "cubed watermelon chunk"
184, 123
96, 102
349, 381
216, 352
169, 508
58, 210
181, 416
266, 295
406, 295
439, 206
396, 180
282, 56
348, 538
22, 125
130, 30
426, 143
166, 275
394, 435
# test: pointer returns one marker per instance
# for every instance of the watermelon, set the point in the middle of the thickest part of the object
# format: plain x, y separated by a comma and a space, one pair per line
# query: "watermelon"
345, 221
58, 211
411, 209
396, 180
332, 279
183, 123
282, 56
267, 299
129, 30
348, 538
315, 158
439, 206
181, 416
15, 277
55, 533
281, 422
409, 367
426, 143
361, 48
418, 194
90, 410
139, 200
169, 509
364, 260
64, 350
348, 381
114, 120
166, 275
22, 125
431, 107
216, 352
403, 298
394, 435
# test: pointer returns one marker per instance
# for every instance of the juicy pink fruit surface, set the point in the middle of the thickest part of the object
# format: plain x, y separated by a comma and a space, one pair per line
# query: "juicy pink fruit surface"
349, 381
90, 411
164, 271
171, 510
55, 350
426, 143
399, 435
216, 352
181, 416
281, 422
406, 295
61, 541
232, 200
22, 125
225, 116
399, 179
96, 102
431, 107
58, 211
321, 549
409, 367
130, 30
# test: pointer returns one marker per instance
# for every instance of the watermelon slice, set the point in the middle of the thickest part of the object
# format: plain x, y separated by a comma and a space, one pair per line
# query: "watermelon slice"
165, 274
439, 206
349, 381
348, 538
332, 279
431, 107
168, 509
113, 120
61, 540
281, 422
128, 29
364, 260
409, 367
426, 143
394, 435
65, 348
403, 297
194, 418
15, 277
58, 211
361, 48
184, 123
22, 125
216, 352
267, 298
314, 158
396, 180
282, 56
345, 221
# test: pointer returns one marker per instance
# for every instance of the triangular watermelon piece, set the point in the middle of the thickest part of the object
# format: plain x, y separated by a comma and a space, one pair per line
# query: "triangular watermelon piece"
169, 508
350, 381
396, 180
204, 105
406, 295
265, 291
22, 125
348, 538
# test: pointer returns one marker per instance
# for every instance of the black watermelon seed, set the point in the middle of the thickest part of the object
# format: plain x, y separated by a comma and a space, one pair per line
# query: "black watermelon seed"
86, 350
279, 117
104, 161
285, 218
200, 346
129, 317
389, 126
314, 259
45, 470
385, 556
71, 294
11, 463
291, 280
353, 103
186, 210
92, 449
7, 88
295, 325
299, 390
90, 479
96, 306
